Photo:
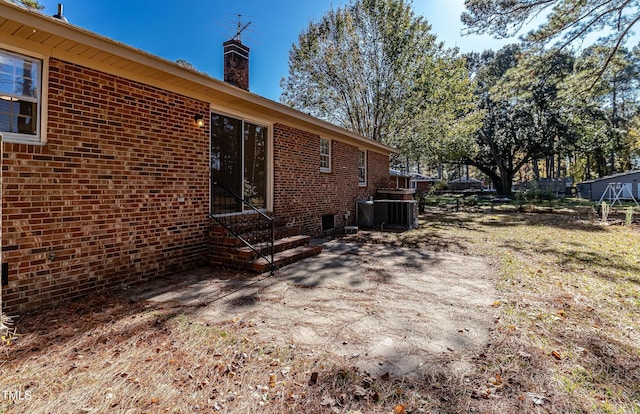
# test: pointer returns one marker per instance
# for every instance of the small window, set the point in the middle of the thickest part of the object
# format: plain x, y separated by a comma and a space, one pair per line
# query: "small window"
362, 168
325, 155
328, 222
20, 95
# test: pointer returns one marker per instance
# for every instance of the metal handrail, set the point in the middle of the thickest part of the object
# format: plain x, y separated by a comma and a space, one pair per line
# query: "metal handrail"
229, 227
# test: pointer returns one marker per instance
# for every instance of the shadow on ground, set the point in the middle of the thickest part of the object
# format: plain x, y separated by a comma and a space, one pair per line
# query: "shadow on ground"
391, 309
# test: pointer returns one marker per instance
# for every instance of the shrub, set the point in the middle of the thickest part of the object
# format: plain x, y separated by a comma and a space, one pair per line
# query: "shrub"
628, 213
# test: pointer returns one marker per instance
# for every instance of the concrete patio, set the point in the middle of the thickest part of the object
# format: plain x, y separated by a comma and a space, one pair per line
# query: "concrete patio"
388, 309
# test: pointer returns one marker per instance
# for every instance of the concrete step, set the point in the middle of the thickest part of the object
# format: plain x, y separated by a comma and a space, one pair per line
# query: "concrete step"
286, 257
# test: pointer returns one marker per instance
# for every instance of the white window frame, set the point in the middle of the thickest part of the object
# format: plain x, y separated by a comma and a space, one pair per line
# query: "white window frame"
41, 119
325, 166
362, 168
270, 151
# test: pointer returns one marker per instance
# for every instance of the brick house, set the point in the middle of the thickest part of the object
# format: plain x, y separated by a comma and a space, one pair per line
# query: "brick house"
118, 165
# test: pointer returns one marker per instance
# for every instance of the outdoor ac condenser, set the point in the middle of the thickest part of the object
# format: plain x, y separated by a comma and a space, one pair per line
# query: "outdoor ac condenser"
396, 213
365, 213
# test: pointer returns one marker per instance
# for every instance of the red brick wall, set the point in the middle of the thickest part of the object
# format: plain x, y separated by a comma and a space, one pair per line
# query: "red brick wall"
120, 193
378, 167
303, 194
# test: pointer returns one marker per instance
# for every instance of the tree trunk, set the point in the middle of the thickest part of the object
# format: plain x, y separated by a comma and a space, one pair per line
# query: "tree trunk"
503, 182
536, 169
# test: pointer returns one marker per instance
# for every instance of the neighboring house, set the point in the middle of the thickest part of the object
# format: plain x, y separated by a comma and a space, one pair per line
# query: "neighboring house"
117, 163
561, 185
422, 183
464, 183
626, 185
398, 179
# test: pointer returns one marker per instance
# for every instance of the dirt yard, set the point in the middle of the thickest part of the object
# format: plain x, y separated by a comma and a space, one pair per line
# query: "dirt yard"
391, 310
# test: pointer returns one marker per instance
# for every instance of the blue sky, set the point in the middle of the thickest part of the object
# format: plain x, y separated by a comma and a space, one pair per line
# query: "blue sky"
194, 30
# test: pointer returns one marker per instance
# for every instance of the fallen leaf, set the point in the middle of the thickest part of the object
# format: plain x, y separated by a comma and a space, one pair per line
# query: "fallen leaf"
556, 355
399, 409
497, 380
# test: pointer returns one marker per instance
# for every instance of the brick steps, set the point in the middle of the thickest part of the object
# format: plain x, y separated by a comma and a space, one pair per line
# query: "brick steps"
289, 246
262, 235
286, 257
279, 245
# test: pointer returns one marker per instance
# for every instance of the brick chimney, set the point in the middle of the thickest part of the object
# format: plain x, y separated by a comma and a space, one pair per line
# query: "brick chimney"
236, 63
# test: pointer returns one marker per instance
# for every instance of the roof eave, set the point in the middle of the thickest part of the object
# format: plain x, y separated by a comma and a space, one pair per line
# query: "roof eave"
196, 81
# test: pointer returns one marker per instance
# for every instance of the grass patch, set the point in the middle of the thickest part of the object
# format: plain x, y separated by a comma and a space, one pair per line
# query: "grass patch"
570, 298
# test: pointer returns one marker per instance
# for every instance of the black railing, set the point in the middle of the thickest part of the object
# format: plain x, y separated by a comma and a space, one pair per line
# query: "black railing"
227, 209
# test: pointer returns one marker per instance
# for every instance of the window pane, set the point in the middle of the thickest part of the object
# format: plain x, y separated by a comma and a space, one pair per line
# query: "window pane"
324, 147
26, 122
226, 163
325, 154
5, 116
18, 76
255, 164
19, 94
18, 116
26, 86
6, 83
362, 167
239, 162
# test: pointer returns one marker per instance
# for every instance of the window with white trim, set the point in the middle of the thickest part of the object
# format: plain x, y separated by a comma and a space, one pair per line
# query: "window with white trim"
239, 157
325, 155
362, 168
20, 97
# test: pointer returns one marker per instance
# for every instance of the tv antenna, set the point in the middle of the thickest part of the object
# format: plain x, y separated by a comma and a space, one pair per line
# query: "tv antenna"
234, 29
241, 28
